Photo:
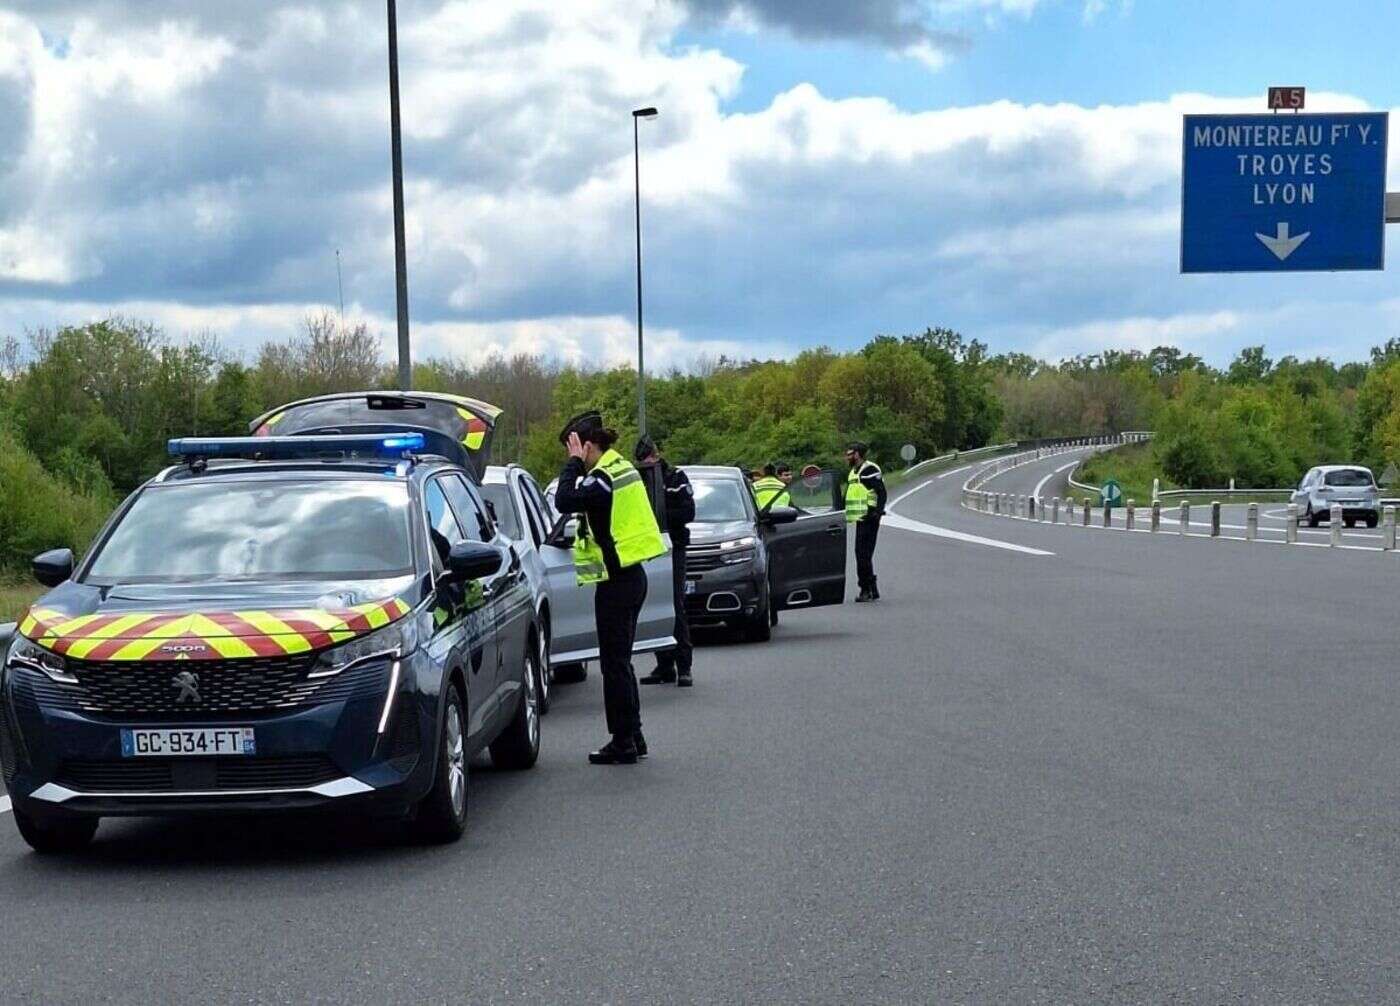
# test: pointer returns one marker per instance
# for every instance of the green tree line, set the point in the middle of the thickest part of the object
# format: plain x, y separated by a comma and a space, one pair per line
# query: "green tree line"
85, 411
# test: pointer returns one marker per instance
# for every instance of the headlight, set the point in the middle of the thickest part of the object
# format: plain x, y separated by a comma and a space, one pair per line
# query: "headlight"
736, 551
26, 653
396, 640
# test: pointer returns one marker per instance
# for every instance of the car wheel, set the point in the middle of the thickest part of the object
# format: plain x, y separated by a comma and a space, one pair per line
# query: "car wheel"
442, 814
1349, 521
518, 747
52, 836
772, 614
570, 674
759, 628
1311, 517
1372, 521
543, 673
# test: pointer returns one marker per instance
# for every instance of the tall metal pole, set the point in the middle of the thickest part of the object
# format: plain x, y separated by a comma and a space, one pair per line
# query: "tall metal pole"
400, 252
641, 367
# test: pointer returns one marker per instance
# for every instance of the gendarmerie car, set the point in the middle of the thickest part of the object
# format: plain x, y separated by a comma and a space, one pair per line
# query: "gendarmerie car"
275, 623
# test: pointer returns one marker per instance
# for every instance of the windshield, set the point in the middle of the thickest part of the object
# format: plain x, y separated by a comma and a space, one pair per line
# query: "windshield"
1349, 477
718, 501
506, 518
259, 530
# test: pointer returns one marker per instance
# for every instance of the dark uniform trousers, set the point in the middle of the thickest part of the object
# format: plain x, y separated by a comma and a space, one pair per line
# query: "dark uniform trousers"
617, 604
670, 661
867, 530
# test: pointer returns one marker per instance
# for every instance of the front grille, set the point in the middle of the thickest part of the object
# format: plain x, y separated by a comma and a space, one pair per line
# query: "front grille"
703, 563
137, 691
196, 774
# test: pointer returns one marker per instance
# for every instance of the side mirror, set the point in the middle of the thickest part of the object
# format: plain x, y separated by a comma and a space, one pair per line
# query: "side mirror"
53, 567
473, 560
563, 533
780, 515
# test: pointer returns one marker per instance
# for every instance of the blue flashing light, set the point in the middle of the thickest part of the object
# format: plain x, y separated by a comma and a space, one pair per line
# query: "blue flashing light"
384, 445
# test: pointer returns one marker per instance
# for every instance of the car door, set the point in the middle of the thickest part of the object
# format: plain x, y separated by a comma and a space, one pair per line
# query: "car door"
463, 626
1301, 494
574, 631
807, 557
507, 593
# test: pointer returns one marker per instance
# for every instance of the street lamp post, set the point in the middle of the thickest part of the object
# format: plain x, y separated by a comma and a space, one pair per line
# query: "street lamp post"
637, 116
400, 252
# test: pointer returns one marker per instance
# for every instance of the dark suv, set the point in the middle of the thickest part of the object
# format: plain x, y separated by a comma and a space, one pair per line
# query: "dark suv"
745, 564
335, 623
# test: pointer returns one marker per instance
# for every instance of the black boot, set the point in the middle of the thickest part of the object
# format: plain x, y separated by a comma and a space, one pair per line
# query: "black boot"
683, 678
659, 677
874, 590
618, 751
640, 743
864, 596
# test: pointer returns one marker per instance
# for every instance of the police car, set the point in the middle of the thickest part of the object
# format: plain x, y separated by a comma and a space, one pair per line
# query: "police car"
275, 622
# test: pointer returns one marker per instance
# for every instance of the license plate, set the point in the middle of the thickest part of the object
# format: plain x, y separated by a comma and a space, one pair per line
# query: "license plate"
207, 741
691, 586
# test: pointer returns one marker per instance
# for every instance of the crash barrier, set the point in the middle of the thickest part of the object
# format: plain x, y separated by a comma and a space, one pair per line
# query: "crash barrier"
954, 456
1074, 512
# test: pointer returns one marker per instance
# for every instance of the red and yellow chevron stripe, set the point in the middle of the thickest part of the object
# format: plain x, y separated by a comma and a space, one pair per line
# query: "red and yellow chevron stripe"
211, 635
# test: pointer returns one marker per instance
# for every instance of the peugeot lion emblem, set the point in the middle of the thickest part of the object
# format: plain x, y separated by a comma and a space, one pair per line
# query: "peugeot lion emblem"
188, 683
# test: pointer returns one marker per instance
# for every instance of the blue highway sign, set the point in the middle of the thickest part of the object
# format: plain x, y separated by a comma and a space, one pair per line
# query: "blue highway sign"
1283, 193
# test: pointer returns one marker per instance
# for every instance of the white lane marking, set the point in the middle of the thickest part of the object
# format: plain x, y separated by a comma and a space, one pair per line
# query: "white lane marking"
906, 494
4, 804
919, 527
956, 470
1041, 484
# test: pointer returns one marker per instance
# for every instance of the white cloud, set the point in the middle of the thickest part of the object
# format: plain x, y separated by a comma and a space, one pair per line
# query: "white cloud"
205, 165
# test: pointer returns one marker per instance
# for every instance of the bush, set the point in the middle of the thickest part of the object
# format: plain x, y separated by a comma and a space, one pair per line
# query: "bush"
40, 511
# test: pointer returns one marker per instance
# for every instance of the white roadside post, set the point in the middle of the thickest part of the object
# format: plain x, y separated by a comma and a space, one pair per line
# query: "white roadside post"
1388, 541
1290, 529
1128, 515
1185, 517
1107, 514
1069, 509
1055, 509
1215, 519
1251, 522
1334, 521
1156, 514
1088, 510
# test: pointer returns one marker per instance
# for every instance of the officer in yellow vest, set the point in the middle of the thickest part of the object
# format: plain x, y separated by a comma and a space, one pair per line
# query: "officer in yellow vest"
865, 505
769, 489
617, 532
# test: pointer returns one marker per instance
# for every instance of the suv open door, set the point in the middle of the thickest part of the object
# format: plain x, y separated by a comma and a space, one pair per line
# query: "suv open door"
806, 544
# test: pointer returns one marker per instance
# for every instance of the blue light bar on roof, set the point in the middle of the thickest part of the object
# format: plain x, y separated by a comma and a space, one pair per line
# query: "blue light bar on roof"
384, 445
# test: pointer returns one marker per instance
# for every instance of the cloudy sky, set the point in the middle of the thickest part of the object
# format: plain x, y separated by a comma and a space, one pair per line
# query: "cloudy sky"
822, 170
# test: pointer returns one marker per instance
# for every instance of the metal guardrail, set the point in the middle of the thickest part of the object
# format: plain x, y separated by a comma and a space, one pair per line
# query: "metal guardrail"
954, 456
1023, 507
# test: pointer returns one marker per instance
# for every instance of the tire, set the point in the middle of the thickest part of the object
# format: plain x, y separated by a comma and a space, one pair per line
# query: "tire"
1373, 521
759, 628
55, 836
772, 614
441, 816
518, 746
1349, 521
544, 674
1311, 517
570, 674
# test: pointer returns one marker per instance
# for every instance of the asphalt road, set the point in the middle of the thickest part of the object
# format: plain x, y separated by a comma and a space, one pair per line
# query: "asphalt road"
1086, 767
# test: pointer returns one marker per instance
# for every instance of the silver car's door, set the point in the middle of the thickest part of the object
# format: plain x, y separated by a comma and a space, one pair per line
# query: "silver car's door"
573, 629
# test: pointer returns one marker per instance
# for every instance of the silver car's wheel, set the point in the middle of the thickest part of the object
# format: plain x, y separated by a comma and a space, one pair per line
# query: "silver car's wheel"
543, 674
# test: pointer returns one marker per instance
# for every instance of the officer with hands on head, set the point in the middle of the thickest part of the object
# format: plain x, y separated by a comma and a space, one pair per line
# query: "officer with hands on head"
673, 665
617, 532
865, 505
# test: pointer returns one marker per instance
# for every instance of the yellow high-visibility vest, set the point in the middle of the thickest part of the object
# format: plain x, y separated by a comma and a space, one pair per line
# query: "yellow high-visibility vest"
635, 533
771, 488
858, 498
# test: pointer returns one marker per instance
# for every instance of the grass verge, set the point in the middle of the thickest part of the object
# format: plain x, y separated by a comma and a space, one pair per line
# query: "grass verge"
15, 597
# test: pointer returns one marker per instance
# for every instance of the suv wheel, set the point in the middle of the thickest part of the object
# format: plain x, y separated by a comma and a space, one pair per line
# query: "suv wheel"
442, 814
55, 835
518, 746
543, 673
1311, 517
1372, 521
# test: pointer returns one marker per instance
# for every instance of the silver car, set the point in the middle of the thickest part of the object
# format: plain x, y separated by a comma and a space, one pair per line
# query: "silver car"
1350, 486
564, 610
